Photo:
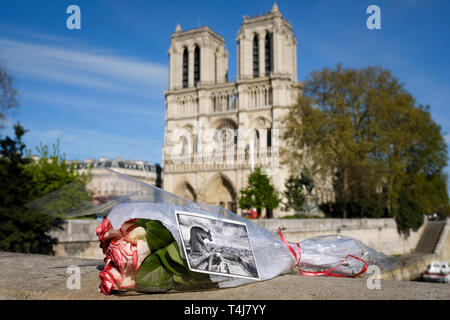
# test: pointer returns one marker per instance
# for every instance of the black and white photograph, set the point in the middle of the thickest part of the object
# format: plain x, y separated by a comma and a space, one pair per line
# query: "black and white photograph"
216, 246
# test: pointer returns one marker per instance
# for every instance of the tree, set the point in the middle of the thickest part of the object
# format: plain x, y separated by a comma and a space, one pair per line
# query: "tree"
382, 149
21, 181
293, 194
259, 193
56, 189
8, 95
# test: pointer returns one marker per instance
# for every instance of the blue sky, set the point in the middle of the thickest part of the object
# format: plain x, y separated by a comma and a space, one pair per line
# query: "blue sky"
99, 90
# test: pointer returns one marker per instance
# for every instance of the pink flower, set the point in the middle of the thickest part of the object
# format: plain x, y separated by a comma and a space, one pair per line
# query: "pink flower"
127, 227
127, 256
106, 233
125, 250
122, 254
143, 251
112, 279
122, 262
135, 235
108, 279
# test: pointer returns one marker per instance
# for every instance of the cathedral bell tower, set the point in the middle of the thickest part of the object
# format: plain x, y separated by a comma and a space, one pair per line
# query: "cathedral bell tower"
267, 47
197, 56
201, 103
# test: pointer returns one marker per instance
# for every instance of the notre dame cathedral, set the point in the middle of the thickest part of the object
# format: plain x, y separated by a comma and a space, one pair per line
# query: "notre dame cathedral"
200, 98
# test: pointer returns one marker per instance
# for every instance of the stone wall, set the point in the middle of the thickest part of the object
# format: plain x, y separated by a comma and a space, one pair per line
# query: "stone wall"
77, 238
413, 265
442, 250
379, 234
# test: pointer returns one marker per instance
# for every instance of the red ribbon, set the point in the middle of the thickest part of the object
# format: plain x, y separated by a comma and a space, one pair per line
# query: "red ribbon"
320, 273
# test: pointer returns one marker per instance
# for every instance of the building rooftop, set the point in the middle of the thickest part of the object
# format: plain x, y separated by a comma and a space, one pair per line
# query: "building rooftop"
115, 163
204, 29
274, 12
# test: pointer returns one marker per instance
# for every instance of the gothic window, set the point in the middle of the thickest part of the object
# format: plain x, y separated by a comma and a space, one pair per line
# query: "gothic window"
185, 68
226, 135
184, 147
269, 137
268, 53
195, 143
196, 65
232, 101
238, 57
255, 57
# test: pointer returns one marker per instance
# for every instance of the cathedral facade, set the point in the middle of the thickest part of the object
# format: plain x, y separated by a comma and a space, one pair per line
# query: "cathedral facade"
216, 131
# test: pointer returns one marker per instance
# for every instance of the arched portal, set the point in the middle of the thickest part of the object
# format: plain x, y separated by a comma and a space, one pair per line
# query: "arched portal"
186, 191
220, 191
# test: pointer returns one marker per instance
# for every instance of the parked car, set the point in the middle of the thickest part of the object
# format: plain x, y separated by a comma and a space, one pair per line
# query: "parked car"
437, 271
251, 214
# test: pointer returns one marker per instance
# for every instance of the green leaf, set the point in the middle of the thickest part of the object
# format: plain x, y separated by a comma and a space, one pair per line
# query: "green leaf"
174, 253
140, 223
178, 279
158, 236
192, 278
162, 255
165, 266
152, 276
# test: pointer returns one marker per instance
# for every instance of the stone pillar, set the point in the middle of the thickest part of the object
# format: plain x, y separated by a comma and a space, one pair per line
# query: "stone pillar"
261, 54
245, 58
222, 68
207, 72
175, 68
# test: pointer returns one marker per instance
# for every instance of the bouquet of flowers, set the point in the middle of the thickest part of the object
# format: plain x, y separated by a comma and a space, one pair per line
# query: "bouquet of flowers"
142, 254
155, 241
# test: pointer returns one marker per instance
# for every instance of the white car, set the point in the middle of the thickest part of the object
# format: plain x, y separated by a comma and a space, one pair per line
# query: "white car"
437, 271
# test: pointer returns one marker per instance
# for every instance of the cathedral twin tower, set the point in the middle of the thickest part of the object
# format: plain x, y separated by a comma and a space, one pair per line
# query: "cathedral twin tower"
200, 94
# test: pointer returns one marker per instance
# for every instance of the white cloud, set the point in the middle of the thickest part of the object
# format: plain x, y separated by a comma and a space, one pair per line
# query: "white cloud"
83, 66
109, 85
98, 103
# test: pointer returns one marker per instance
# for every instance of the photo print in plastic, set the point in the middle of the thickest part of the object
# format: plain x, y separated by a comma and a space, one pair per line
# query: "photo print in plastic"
217, 246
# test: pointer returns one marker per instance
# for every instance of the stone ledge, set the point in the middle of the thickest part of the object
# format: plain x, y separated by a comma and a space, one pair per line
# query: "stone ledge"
29, 276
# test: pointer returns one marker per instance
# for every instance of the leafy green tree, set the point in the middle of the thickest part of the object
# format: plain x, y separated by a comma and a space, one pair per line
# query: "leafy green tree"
362, 128
21, 181
58, 191
293, 194
20, 229
259, 193
50, 172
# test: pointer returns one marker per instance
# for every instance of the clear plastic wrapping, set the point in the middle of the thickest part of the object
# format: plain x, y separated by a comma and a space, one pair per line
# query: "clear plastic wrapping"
321, 255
